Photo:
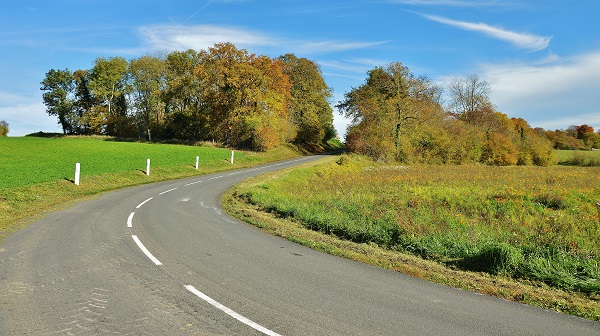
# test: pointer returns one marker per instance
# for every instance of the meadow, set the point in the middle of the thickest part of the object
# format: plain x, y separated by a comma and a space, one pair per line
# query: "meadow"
535, 224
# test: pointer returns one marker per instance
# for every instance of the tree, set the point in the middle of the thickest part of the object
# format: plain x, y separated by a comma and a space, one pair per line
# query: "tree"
84, 101
148, 81
390, 104
247, 96
469, 100
583, 130
4, 128
186, 109
59, 98
309, 108
108, 84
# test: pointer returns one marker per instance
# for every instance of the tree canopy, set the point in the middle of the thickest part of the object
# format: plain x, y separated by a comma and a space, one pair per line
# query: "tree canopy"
222, 94
4, 128
397, 116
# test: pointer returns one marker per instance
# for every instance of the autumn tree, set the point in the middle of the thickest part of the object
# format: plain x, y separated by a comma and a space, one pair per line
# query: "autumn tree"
4, 128
59, 97
391, 104
586, 134
247, 97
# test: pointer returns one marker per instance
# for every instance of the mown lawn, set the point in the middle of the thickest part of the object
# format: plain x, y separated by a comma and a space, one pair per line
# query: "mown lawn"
36, 174
533, 224
31, 160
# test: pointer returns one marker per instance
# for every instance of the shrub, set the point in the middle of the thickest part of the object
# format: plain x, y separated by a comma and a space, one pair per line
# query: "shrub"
498, 258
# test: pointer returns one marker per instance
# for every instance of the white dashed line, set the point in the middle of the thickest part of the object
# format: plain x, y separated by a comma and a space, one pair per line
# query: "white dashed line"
129, 223
145, 250
144, 202
164, 192
230, 312
189, 184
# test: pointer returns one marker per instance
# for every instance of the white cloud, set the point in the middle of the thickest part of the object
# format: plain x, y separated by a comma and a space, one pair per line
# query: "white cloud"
179, 37
549, 94
331, 46
25, 118
201, 37
520, 40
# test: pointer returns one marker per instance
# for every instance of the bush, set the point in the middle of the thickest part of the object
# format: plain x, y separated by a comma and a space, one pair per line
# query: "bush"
497, 258
500, 151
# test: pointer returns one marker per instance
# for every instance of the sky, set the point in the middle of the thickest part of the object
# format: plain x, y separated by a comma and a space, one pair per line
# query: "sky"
541, 58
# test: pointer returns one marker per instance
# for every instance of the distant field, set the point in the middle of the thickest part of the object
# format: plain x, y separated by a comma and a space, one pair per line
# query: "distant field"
578, 157
30, 160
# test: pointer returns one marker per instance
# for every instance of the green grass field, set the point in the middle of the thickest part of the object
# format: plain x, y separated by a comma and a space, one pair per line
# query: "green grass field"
30, 160
36, 174
578, 158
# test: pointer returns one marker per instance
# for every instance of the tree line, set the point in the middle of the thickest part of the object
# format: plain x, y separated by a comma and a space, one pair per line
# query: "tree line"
575, 137
223, 94
397, 116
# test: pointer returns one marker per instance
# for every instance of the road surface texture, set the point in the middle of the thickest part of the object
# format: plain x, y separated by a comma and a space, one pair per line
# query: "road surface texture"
163, 259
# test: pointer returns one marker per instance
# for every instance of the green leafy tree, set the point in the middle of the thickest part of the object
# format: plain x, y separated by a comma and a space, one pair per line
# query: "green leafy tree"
84, 101
309, 107
186, 111
4, 128
148, 81
59, 97
391, 104
108, 79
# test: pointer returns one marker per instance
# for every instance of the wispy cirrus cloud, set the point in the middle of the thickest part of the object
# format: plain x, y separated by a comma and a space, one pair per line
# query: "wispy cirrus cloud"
183, 37
453, 3
520, 40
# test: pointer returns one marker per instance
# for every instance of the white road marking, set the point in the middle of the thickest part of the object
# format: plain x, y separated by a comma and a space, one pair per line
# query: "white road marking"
144, 202
230, 312
129, 223
145, 250
164, 192
189, 184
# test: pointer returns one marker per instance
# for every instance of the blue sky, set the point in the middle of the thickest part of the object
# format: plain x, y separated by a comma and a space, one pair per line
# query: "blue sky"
542, 58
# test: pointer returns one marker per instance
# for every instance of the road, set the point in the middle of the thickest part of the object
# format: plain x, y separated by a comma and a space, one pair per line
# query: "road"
163, 259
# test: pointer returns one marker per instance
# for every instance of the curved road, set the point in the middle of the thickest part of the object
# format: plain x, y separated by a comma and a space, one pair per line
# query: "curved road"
163, 259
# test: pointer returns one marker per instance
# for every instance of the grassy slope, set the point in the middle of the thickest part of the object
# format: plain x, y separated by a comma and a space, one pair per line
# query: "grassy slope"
443, 219
36, 173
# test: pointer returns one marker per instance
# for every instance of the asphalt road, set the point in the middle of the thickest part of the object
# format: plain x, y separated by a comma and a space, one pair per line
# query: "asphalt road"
163, 259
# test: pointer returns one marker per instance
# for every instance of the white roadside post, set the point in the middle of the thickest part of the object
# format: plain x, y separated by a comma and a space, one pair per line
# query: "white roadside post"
197, 160
231, 157
148, 167
77, 172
